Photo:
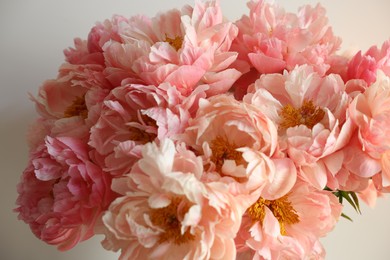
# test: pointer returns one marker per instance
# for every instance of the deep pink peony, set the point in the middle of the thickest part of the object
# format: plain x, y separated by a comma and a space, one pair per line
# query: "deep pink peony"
62, 193
165, 211
289, 227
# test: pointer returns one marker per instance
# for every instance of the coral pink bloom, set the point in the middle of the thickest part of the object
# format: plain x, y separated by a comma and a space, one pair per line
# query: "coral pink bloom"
166, 212
271, 40
289, 227
70, 104
370, 111
365, 66
239, 144
62, 193
184, 48
309, 111
133, 115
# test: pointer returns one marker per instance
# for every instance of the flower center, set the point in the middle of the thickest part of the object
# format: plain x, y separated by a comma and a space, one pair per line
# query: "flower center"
78, 108
169, 219
280, 208
308, 114
139, 134
174, 42
223, 150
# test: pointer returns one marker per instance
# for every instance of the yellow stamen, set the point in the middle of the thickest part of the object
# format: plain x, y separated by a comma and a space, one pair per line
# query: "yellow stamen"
223, 150
174, 42
78, 108
308, 114
281, 208
169, 219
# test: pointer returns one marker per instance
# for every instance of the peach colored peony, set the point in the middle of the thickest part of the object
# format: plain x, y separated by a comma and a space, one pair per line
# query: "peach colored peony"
310, 113
165, 210
62, 193
289, 227
240, 145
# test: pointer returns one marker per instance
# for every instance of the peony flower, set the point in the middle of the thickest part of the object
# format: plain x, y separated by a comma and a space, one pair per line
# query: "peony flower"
310, 113
370, 112
271, 40
187, 49
166, 211
289, 227
133, 115
240, 145
70, 104
365, 66
62, 194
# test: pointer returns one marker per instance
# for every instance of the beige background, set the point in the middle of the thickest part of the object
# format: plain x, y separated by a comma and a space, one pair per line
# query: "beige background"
33, 34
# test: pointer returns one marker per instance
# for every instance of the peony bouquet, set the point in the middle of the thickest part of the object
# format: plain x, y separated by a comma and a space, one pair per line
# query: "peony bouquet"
189, 136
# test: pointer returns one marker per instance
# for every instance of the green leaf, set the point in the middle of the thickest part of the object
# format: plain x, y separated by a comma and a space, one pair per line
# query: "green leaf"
346, 217
356, 200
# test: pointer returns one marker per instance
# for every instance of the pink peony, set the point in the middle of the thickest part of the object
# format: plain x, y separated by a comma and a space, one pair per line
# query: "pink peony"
62, 193
289, 227
271, 40
239, 144
165, 210
370, 112
365, 66
310, 113
133, 115
185, 48
70, 104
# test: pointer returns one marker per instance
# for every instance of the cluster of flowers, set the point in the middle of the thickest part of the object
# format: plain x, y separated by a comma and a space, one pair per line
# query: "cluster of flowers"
190, 136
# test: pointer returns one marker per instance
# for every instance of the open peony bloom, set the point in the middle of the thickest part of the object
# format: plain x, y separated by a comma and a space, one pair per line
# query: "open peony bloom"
310, 113
185, 48
69, 105
240, 145
166, 211
62, 194
289, 227
133, 115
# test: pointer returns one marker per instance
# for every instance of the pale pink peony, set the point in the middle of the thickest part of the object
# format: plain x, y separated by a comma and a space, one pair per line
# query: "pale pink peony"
133, 115
365, 66
185, 48
166, 211
62, 193
240, 145
271, 40
310, 113
289, 227
370, 111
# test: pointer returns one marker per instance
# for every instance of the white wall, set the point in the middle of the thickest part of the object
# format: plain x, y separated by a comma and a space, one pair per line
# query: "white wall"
33, 34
